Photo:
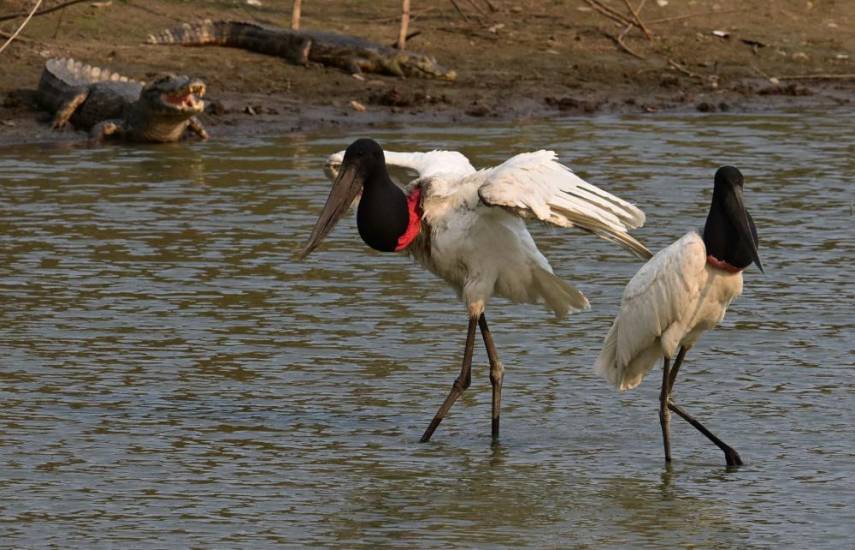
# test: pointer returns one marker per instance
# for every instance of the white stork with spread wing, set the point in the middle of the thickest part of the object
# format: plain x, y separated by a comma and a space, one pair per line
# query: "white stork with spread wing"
467, 227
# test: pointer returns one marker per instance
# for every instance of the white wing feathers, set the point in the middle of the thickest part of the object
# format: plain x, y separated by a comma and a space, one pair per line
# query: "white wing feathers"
529, 184
537, 184
432, 163
653, 304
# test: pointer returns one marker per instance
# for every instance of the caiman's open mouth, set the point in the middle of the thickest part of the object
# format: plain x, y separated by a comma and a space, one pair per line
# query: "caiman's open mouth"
186, 99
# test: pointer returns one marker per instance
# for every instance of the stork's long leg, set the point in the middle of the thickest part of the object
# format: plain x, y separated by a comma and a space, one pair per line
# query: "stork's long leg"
664, 414
460, 383
731, 457
496, 373
669, 374
678, 362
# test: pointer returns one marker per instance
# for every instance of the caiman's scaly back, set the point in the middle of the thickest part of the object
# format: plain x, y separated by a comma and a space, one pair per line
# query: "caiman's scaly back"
62, 79
348, 53
107, 103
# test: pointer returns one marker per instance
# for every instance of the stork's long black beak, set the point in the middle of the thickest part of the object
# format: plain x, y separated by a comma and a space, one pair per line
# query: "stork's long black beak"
346, 187
734, 206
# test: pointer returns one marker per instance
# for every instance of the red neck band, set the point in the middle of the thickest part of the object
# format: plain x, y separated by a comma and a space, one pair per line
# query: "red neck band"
415, 225
723, 265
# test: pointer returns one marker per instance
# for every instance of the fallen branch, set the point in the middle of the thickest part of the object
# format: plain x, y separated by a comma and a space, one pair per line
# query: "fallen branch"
460, 11
712, 80
478, 8
684, 70
605, 10
687, 16
414, 15
637, 18
24, 24
621, 44
19, 39
58, 23
42, 12
821, 76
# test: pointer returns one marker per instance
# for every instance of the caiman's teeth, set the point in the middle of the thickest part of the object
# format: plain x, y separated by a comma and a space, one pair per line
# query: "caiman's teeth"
96, 72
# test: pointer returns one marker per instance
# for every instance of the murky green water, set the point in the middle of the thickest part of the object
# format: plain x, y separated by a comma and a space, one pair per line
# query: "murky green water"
171, 378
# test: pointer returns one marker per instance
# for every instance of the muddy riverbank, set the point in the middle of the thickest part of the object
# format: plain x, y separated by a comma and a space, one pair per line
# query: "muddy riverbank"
514, 58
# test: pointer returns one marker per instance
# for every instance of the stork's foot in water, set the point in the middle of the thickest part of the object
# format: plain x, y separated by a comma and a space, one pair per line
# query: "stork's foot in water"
731, 457
460, 383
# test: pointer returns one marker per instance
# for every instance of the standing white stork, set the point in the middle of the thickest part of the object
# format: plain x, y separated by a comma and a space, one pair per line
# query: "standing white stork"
681, 292
466, 227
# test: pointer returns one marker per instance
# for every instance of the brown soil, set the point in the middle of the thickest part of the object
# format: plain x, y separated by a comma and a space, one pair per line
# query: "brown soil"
527, 58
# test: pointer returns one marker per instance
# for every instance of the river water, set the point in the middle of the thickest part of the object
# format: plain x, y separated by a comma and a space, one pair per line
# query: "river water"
171, 377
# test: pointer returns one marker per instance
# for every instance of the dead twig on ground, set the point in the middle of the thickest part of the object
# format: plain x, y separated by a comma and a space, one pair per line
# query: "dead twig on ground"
460, 11
20, 38
759, 71
42, 12
627, 22
712, 79
414, 15
58, 23
621, 44
491, 5
821, 76
687, 16
635, 14
478, 8
606, 11
20, 28
684, 70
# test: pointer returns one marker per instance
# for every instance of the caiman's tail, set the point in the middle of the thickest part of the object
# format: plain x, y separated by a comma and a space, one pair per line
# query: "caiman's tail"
201, 33
291, 45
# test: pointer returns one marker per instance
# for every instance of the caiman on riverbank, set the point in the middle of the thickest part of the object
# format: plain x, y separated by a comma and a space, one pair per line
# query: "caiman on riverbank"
110, 105
349, 53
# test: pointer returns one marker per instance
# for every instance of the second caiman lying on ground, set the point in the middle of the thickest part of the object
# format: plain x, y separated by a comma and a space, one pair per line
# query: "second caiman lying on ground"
109, 105
301, 47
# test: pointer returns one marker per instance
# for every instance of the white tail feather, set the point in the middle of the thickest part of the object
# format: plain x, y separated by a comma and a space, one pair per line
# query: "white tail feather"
623, 374
560, 296
606, 365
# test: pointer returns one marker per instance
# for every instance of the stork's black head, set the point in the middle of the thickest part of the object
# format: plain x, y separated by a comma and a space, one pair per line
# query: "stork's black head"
363, 162
728, 176
364, 151
730, 233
